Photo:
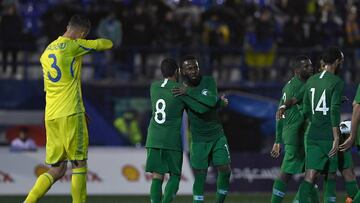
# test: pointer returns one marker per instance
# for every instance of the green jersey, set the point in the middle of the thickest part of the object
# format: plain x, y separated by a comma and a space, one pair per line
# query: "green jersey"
291, 126
205, 127
357, 100
166, 119
322, 100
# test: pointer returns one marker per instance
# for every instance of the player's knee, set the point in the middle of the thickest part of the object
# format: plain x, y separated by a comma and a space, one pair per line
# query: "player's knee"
157, 176
79, 164
224, 168
58, 170
285, 177
200, 171
310, 175
348, 174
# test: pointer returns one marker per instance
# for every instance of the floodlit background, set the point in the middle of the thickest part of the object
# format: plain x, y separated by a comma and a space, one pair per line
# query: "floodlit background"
245, 44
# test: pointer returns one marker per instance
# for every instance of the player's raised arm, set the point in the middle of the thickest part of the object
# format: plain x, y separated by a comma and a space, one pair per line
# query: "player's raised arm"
85, 46
195, 105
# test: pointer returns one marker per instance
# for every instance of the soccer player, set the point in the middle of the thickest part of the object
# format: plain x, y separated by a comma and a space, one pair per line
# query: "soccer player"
164, 145
322, 100
65, 121
290, 128
208, 144
346, 165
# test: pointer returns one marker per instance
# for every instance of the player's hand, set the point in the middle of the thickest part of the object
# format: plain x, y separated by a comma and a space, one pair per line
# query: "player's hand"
347, 144
225, 100
335, 148
178, 91
275, 152
280, 113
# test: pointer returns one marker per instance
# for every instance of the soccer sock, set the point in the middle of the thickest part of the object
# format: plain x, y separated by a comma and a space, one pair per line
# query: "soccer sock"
156, 190
330, 193
78, 185
198, 187
351, 188
41, 186
223, 181
314, 194
278, 191
304, 192
171, 188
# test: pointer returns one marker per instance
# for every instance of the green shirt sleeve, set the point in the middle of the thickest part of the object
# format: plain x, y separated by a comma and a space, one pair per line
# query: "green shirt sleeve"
85, 46
207, 97
195, 105
300, 93
335, 104
306, 110
279, 127
357, 96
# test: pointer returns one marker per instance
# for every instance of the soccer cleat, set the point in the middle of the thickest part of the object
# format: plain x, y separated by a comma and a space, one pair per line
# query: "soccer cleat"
348, 200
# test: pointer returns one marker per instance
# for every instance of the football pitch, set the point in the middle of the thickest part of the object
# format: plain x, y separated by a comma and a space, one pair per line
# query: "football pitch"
233, 198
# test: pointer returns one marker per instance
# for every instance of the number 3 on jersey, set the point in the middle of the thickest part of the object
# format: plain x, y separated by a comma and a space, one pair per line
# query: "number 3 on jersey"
54, 66
321, 105
160, 115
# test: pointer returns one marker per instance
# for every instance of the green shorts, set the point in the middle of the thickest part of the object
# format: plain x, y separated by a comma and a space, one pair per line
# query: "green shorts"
294, 160
317, 156
66, 139
164, 161
204, 153
345, 160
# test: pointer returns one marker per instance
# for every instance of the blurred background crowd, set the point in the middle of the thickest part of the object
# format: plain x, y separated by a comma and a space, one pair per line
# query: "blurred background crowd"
245, 44
236, 40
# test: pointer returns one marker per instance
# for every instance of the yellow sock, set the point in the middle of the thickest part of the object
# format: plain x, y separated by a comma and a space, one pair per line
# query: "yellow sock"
42, 185
78, 185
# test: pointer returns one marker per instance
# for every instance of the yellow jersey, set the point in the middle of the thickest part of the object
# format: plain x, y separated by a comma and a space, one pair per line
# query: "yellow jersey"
61, 63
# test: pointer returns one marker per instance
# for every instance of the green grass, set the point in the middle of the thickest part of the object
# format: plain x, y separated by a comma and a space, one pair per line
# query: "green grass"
233, 198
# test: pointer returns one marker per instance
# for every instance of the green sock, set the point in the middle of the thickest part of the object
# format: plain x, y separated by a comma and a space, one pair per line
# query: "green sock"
314, 194
156, 190
278, 191
330, 193
223, 181
304, 192
351, 188
171, 188
198, 187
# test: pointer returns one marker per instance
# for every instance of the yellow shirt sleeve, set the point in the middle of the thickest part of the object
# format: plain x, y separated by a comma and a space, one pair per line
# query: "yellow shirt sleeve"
83, 46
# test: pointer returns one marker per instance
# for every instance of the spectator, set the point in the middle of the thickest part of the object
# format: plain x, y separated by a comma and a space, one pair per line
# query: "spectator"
294, 35
23, 142
128, 125
10, 37
260, 46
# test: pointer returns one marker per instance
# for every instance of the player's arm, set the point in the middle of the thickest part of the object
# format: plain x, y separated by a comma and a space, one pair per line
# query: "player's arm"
298, 96
355, 119
83, 46
306, 110
208, 97
335, 115
194, 105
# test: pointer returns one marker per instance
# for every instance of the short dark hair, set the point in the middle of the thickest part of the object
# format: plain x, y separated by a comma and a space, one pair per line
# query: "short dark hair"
80, 21
187, 58
168, 67
331, 54
298, 61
